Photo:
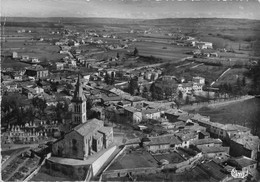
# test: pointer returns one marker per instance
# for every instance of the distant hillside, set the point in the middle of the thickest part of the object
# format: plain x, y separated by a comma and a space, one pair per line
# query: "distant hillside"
189, 21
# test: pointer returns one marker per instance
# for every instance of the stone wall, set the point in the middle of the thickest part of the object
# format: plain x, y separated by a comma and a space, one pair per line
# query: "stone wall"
102, 159
64, 148
75, 172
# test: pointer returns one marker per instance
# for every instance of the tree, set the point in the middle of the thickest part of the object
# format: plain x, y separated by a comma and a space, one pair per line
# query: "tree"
107, 79
61, 109
168, 92
152, 90
40, 104
136, 52
244, 81
117, 55
12, 106
145, 92
133, 86
187, 101
180, 95
110, 80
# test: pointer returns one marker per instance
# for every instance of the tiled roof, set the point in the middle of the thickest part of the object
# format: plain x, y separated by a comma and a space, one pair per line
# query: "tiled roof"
235, 127
248, 141
214, 170
105, 130
206, 141
164, 139
245, 161
89, 127
213, 149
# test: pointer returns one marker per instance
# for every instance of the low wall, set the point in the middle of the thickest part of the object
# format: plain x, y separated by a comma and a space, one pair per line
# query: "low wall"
134, 171
101, 160
78, 172
35, 171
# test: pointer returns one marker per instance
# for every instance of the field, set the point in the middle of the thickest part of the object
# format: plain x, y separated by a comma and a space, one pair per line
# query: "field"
211, 73
242, 113
41, 50
232, 75
161, 50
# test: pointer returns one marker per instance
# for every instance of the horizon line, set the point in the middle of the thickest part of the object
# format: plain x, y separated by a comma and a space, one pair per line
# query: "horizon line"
238, 18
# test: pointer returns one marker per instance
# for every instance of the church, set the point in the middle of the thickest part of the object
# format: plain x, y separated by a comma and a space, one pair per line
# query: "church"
87, 137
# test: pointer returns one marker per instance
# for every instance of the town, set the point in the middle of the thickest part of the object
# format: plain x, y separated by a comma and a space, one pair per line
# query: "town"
124, 103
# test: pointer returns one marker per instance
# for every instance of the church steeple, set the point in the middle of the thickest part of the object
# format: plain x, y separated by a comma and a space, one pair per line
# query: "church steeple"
79, 112
78, 93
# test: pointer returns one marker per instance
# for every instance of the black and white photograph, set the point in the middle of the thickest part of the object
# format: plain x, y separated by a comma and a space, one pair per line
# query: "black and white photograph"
130, 90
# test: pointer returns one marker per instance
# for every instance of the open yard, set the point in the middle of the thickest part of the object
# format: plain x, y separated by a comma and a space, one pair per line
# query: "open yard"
171, 157
135, 159
42, 175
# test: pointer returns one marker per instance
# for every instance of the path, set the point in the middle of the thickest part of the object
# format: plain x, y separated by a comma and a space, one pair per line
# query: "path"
197, 65
220, 76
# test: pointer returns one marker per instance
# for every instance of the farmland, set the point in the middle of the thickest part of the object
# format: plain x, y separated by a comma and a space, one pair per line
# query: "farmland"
165, 51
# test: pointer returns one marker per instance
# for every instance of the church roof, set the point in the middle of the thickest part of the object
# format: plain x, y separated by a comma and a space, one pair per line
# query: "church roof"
78, 94
89, 127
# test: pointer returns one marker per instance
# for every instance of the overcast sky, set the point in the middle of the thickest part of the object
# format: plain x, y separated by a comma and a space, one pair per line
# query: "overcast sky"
144, 9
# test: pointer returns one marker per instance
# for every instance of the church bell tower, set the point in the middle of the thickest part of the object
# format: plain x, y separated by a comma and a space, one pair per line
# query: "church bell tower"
79, 111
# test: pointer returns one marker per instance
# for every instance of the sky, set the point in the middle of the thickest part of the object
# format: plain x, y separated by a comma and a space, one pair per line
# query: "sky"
137, 9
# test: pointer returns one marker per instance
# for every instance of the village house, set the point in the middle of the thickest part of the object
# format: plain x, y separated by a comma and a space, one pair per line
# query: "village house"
190, 87
133, 114
198, 80
37, 72
202, 45
173, 114
227, 131
161, 143
59, 66
246, 164
124, 103
207, 142
215, 152
136, 101
84, 140
35, 60
151, 114
31, 92
203, 121
15, 55
25, 58
246, 145
186, 136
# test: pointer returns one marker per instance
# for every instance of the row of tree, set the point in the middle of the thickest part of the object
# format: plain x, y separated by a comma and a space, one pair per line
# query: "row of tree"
17, 109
